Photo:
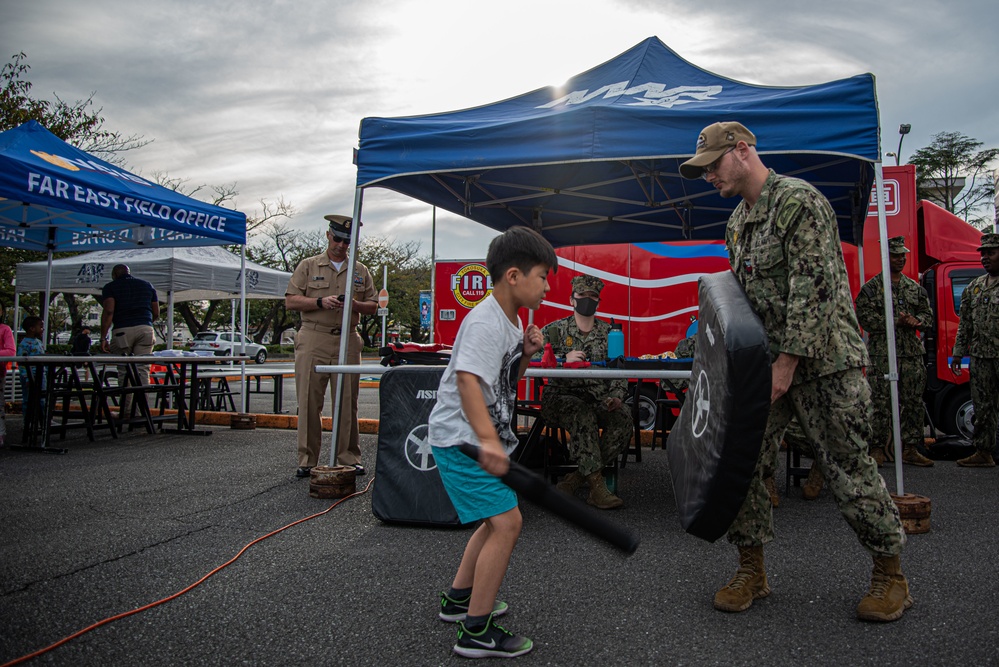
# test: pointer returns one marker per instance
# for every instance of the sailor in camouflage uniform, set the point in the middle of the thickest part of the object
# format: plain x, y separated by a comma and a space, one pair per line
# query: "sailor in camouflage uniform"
911, 308
784, 249
978, 337
585, 407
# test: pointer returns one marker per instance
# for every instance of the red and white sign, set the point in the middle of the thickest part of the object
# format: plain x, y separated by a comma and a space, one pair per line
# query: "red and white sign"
891, 197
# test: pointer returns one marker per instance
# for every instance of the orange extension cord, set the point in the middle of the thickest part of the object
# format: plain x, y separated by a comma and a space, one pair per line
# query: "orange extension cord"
64, 640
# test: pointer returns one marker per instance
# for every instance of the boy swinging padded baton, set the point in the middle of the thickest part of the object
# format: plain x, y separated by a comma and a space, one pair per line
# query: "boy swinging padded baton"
535, 489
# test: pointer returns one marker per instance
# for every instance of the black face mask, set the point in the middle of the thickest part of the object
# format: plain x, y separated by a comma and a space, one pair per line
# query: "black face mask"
586, 306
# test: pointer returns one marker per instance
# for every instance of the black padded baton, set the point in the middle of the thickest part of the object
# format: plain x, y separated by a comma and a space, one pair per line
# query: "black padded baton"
539, 492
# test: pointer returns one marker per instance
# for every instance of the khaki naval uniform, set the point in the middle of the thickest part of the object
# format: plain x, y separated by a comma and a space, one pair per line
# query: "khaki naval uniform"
318, 342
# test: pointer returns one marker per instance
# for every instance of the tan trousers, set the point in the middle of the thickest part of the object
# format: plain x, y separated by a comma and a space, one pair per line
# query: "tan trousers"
314, 348
135, 341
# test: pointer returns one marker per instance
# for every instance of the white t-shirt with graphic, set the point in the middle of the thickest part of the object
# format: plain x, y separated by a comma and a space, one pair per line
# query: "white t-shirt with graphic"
488, 346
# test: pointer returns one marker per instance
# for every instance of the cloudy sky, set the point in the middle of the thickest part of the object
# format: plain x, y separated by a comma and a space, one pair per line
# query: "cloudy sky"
269, 94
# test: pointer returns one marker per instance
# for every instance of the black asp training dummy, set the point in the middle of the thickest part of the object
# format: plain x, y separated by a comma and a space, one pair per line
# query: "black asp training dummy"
408, 488
714, 445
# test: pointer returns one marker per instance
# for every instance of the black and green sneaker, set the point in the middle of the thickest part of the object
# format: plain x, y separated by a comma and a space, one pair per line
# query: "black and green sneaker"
453, 610
493, 641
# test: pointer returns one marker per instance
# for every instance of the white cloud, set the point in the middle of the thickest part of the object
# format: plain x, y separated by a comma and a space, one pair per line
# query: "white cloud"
270, 94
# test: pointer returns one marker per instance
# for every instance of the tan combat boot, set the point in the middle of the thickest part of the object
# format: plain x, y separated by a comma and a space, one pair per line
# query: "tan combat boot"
878, 454
911, 456
977, 460
772, 491
813, 484
571, 483
889, 595
748, 584
600, 497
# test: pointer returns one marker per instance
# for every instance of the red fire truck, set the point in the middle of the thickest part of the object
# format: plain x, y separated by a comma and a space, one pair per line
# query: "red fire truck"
651, 288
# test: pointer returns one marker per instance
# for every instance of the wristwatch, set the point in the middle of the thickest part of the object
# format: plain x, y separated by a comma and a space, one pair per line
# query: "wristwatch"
319, 302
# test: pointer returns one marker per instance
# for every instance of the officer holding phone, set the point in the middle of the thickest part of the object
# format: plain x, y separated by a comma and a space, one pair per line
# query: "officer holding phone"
318, 290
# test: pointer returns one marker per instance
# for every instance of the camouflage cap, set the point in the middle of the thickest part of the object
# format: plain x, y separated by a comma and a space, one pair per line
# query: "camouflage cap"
712, 143
340, 226
989, 241
582, 284
896, 245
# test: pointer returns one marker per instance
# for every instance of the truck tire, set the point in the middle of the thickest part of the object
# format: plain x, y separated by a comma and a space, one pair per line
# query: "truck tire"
646, 405
958, 414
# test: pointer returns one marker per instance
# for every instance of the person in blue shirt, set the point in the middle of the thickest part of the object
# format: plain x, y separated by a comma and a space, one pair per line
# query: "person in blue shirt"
130, 304
31, 345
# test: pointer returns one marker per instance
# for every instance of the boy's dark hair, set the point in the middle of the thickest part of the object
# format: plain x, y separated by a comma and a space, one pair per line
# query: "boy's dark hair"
30, 321
520, 247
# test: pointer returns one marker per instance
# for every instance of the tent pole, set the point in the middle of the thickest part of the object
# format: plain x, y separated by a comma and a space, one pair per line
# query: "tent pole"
232, 323
345, 333
433, 270
242, 316
889, 326
45, 303
169, 341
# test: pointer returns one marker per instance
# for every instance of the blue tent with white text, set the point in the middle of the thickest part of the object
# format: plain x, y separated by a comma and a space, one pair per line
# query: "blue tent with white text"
56, 197
596, 160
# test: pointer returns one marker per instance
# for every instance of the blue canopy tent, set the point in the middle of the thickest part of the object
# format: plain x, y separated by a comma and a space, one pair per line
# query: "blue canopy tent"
597, 159
55, 197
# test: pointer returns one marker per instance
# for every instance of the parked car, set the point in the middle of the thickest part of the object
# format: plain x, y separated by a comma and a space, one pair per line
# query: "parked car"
227, 343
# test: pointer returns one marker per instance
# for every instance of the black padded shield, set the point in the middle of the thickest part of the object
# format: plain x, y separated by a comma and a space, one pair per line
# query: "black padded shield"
408, 488
714, 445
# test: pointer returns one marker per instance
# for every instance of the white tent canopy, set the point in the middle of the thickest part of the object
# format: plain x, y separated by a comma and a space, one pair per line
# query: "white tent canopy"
186, 274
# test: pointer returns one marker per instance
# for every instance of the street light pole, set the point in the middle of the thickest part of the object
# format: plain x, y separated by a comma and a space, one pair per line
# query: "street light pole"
903, 130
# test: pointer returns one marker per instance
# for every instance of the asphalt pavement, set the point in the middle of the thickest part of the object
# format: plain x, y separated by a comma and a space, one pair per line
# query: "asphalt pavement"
112, 526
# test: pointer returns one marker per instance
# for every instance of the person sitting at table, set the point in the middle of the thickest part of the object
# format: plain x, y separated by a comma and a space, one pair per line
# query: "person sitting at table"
81, 343
7, 349
591, 410
31, 345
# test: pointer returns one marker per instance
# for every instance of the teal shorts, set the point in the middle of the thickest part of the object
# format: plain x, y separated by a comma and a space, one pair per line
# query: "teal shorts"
474, 493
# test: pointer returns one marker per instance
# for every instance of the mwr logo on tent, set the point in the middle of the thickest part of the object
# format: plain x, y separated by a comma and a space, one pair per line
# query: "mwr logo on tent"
73, 164
90, 273
252, 279
647, 94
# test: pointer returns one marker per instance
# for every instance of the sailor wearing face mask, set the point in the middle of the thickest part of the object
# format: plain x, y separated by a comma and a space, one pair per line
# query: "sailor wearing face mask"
584, 407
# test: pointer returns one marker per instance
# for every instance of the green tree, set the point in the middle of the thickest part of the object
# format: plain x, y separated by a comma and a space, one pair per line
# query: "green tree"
77, 123
408, 273
953, 160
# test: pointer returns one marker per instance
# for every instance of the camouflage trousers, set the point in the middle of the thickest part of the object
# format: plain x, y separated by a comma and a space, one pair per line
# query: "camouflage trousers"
792, 434
911, 385
985, 396
584, 416
834, 413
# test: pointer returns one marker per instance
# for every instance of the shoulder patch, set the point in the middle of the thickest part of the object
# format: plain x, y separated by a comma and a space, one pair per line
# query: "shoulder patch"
789, 210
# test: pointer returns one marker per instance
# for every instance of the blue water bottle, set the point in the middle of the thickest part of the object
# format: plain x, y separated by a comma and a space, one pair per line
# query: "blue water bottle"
615, 341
